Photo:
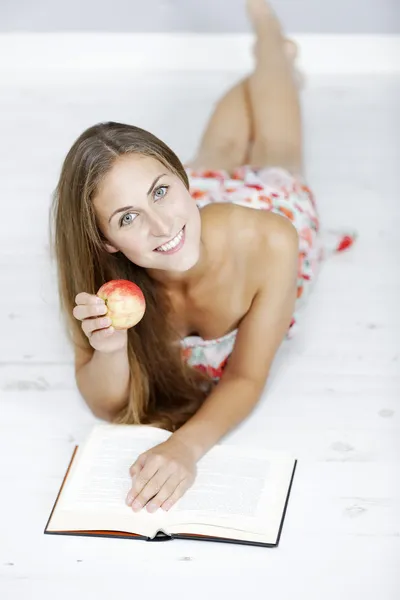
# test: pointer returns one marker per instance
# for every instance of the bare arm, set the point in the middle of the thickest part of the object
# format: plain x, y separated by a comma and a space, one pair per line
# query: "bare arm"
259, 337
103, 381
102, 370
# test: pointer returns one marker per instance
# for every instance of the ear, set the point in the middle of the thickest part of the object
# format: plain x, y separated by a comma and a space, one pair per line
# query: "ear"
111, 249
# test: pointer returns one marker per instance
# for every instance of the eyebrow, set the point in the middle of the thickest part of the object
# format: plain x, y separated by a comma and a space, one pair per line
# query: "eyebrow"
151, 188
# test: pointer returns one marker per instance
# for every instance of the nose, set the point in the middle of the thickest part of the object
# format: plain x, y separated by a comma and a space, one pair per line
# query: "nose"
160, 225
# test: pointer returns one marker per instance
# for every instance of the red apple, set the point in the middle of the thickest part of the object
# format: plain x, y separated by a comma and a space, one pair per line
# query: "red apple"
125, 302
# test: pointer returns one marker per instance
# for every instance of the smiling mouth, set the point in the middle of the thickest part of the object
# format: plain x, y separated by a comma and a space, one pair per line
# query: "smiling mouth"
172, 244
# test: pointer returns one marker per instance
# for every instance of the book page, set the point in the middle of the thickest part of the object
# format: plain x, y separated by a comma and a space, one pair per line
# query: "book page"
235, 489
102, 478
99, 480
226, 485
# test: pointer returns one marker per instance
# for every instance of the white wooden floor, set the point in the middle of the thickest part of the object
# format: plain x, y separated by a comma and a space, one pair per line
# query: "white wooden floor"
334, 394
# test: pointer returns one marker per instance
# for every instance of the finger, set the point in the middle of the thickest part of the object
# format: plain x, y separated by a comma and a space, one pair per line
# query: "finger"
96, 337
165, 493
87, 311
178, 493
138, 465
143, 477
91, 325
134, 470
151, 489
85, 298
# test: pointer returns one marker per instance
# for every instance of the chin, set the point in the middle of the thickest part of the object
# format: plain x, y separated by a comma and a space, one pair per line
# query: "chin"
187, 261
188, 265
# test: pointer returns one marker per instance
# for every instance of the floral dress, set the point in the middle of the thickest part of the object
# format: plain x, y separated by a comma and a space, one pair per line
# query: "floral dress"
273, 189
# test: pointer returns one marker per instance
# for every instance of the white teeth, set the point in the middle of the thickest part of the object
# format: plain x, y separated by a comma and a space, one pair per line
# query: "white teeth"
172, 244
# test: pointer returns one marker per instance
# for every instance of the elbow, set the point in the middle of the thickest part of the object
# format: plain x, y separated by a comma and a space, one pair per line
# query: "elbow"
106, 409
101, 412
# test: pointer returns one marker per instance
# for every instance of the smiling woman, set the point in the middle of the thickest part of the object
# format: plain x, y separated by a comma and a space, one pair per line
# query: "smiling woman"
115, 171
221, 280
152, 224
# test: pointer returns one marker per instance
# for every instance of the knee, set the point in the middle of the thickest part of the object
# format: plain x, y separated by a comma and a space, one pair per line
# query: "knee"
230, 147
275, 153
227, 154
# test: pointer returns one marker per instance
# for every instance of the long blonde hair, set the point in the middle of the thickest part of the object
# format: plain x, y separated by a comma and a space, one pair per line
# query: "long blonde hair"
164, 390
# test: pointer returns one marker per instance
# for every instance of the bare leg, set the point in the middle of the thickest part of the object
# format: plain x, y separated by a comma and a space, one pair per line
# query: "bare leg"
230, 132
274, 96
224, 144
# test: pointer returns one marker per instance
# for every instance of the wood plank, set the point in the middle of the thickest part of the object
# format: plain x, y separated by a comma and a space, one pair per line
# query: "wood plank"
332, 397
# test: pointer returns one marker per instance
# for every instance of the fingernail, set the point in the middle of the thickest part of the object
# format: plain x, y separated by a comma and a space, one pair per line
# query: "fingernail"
99, 300
136, 505
152, 507
129, 499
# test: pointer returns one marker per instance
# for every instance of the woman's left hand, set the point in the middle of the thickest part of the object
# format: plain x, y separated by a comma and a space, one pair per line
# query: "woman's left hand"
162, 474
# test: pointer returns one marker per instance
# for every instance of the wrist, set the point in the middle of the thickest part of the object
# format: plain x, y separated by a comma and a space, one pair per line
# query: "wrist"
193, 447
106, 359
118, 351
120, 348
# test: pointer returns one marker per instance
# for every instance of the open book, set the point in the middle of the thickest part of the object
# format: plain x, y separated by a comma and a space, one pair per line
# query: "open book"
240, 495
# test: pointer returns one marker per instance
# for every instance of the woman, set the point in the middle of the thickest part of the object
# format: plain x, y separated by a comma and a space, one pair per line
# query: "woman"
221, 280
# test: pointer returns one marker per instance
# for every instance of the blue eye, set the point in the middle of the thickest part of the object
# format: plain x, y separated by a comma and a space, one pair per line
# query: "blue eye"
159, 189
162, 188
123, 222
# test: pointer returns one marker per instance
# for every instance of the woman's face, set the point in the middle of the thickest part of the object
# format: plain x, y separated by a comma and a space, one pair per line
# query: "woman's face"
140, 206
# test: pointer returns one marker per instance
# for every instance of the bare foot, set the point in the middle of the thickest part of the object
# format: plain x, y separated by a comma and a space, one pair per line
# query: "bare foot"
261, 16
266, 24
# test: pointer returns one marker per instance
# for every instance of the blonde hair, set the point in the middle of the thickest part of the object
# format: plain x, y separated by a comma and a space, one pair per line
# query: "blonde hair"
164, 390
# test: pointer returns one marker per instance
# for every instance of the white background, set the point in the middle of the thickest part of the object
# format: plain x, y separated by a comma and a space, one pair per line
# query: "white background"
332, 398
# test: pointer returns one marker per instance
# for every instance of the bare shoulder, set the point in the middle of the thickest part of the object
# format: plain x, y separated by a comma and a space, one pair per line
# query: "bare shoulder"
252, 229
278, 232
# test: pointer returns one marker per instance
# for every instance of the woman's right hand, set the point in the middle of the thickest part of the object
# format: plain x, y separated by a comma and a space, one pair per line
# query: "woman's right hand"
91, 311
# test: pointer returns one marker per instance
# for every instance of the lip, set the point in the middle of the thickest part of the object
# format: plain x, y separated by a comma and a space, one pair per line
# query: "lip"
178, 247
